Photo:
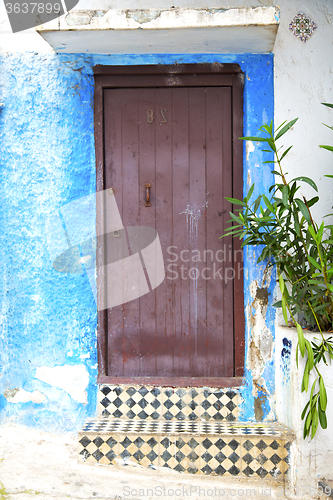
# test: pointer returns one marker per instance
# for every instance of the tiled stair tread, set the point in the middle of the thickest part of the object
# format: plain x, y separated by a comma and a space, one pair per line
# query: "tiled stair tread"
107, 425
238, 449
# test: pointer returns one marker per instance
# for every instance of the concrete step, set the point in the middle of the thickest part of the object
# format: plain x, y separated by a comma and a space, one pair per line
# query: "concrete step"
238, 449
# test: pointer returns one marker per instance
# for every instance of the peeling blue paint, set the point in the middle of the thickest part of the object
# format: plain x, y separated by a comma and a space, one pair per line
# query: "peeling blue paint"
285, 359
47, 160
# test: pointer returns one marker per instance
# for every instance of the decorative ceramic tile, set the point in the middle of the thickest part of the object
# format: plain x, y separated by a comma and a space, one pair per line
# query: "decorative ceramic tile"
97, 449
140, 449
107, 425
237, 449
182, 403
263, 457
221, 456
152, 403
302, 26
131, 402
220, 405
182, 453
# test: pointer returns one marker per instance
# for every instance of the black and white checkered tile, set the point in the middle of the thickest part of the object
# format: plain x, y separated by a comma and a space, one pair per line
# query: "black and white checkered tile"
182, 453
106, 425
98, 449
130, 402
143, 402
221, 456
224, 449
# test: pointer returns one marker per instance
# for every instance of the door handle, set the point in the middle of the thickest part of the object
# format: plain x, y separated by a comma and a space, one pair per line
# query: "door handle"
147, 186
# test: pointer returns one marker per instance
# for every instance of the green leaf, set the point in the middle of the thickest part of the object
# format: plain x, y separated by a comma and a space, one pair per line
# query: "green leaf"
327, 104
313, 201
236, 202
322, 417
301, 340
304, 209
281, 283
308, 422
312, 390
285, 129
329, 148
314, 263
284, 309
315, 422
304, 410
249, 194
313, 232
285, 153
285, 196
268, 203
256, 204
236, 219
310, 354
305, 380
323, 395
320, 233
250, 138
307, 180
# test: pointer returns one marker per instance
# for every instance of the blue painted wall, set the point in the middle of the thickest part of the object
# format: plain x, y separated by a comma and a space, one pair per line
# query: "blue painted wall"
47, 159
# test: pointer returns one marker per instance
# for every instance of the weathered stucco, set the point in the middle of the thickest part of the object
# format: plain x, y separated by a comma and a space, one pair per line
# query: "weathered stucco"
172, 30
47, 156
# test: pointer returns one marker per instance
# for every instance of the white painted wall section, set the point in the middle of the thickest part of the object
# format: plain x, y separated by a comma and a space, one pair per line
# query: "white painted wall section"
70, 378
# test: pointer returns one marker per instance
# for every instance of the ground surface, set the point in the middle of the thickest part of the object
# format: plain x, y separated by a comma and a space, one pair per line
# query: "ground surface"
35, 464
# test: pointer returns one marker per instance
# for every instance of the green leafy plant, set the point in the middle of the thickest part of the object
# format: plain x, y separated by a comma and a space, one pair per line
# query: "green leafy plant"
302, 251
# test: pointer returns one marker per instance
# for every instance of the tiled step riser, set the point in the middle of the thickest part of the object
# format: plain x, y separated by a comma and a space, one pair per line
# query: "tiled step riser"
207, 449
155, 403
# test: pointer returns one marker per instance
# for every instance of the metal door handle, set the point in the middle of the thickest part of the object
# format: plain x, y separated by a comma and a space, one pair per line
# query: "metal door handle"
147, 186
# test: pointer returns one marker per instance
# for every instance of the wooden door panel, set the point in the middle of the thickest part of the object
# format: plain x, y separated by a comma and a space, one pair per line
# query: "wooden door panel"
178, 139
219, 180
180, 181
146, 163
164, 227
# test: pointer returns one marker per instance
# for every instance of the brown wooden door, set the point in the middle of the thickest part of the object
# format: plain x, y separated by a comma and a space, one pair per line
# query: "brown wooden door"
180, 141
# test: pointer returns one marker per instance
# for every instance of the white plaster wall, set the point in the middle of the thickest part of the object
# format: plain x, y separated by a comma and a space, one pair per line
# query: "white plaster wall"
304, 79
312, 459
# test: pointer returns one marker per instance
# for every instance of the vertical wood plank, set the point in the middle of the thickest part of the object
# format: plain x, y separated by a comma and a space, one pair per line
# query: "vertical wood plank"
175, 267
219, 287
163, 201
130, 216
227, 341
197, 228
114, 179
147, 216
